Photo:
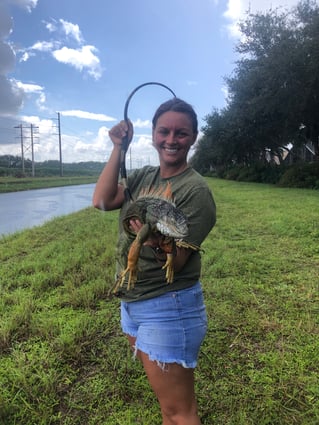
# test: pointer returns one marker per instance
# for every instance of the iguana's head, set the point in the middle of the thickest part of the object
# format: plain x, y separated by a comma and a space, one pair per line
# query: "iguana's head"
166, 218
175, 227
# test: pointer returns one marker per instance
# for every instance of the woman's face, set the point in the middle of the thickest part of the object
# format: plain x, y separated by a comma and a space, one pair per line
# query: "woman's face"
172, 138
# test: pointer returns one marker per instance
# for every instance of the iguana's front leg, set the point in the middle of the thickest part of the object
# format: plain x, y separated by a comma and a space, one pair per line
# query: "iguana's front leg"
133, 256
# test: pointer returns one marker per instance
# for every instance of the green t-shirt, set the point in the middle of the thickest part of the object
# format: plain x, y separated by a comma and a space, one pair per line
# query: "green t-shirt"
193, 197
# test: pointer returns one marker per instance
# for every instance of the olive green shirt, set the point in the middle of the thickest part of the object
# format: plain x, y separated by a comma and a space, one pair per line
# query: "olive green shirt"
193, 197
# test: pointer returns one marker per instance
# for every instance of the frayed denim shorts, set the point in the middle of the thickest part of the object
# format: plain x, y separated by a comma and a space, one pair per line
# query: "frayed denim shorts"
169, 328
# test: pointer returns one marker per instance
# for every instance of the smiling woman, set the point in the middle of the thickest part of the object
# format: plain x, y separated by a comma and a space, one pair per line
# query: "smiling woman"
173, 137
163, 314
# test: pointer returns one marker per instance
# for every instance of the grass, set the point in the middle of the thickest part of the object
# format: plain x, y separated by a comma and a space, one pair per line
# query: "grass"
65, 361
14, 184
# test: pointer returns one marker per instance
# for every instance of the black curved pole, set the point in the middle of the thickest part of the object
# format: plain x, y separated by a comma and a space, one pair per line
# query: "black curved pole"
125, 142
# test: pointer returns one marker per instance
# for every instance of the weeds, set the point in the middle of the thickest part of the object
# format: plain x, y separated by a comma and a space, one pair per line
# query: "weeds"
64, 360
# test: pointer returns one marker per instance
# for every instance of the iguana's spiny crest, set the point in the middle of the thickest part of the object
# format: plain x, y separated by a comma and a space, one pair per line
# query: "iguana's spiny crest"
156, 206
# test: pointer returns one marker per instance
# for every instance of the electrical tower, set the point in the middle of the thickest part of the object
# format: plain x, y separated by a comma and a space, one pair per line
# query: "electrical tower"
25, 148
60, 143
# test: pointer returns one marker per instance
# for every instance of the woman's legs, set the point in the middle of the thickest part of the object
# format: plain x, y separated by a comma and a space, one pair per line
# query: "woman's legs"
174, 387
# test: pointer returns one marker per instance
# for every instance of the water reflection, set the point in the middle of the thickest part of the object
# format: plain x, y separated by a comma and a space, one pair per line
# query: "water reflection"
21, 210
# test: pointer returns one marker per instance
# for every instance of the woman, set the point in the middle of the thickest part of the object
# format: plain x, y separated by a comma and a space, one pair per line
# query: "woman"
165, 323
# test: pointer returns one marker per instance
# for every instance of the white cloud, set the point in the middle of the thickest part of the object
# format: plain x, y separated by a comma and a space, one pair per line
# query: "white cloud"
27, 4
37, 91
43, 46
39, 46
82, 58
72, 29
51, 26
225, 92
25, 57
30, 88
142, 123
41, 101
142, 152
87, 115
236, 10
46, 126
103, 136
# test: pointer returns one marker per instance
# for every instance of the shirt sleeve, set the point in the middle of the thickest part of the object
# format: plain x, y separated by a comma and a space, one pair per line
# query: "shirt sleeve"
199, 206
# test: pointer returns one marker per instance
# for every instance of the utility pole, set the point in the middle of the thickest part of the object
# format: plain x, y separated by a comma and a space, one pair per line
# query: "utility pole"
22, 147
32, 150
32, 128
60, 144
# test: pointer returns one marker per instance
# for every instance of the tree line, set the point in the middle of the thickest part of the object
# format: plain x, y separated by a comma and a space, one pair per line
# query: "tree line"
272, 109
12, 166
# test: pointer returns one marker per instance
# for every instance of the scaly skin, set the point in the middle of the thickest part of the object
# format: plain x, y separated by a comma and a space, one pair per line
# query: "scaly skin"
159, 216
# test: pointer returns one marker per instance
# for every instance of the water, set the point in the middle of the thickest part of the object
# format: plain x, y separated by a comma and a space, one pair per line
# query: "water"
26, 209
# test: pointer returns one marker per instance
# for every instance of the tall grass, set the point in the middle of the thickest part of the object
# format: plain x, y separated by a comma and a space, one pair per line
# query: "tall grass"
64, 360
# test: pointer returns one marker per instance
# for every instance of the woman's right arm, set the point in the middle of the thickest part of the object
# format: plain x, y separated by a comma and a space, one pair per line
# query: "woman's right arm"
108, 193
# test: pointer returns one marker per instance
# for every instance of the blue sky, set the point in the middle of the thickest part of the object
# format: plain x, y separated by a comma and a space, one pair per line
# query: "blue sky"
83, 59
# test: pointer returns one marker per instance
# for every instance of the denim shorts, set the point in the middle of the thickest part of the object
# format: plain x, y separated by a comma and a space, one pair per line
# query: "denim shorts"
169, 328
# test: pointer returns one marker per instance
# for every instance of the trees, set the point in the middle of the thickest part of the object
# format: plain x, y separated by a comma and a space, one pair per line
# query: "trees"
273, 91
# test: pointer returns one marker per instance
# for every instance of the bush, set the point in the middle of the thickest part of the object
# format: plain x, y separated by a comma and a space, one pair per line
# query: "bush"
301, 175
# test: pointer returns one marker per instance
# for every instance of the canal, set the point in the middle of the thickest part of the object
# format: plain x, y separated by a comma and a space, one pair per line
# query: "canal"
26, 209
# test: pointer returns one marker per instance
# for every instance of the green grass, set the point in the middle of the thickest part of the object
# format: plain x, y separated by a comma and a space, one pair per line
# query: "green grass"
65, 361
14, 184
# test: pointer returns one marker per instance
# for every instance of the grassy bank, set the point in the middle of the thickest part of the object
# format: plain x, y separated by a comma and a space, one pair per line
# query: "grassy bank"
14, 184
63, 357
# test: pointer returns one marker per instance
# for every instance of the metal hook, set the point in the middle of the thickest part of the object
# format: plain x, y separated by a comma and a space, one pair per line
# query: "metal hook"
125, 139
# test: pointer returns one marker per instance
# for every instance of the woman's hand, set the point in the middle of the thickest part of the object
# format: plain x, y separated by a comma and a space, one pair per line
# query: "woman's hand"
153, 239
120, 131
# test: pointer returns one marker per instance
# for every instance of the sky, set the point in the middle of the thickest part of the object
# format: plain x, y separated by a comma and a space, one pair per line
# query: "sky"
80, 60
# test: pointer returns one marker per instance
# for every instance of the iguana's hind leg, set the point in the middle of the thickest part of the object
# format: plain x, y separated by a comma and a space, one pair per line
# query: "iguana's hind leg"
132, 259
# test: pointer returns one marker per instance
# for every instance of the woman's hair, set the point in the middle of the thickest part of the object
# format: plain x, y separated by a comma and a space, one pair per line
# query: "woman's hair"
177, 105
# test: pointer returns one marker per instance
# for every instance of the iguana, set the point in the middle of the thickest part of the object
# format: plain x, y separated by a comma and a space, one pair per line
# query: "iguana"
157, 211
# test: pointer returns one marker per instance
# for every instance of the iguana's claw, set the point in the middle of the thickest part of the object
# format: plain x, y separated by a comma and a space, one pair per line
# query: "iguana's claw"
169, 266
132, 278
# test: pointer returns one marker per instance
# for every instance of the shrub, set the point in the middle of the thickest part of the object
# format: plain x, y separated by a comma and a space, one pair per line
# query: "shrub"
301, 175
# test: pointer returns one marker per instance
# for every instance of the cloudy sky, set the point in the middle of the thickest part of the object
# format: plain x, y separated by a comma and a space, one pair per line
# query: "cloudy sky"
83, 59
